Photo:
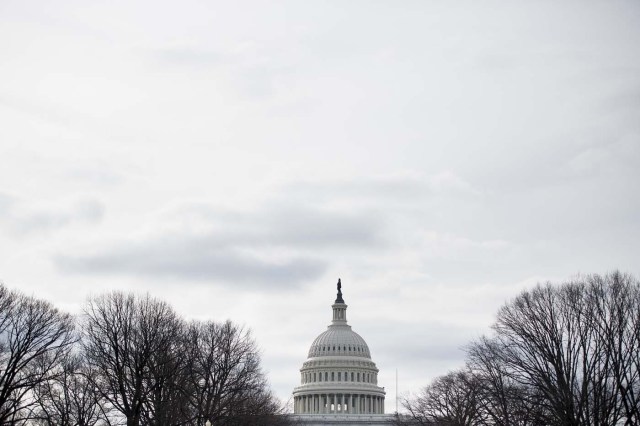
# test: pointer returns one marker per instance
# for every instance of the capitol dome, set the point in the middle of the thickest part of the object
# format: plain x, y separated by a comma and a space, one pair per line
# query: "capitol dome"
339, 377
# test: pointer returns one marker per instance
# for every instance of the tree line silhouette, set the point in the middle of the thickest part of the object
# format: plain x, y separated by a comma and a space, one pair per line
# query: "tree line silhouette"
564, 354
127, 360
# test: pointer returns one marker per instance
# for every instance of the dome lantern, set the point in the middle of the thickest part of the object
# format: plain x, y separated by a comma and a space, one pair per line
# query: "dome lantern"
339, 308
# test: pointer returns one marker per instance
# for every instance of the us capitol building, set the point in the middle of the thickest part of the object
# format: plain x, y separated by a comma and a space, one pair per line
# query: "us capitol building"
339, 381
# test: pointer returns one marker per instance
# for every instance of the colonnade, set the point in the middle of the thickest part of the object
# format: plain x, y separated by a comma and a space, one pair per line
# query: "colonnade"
339, 403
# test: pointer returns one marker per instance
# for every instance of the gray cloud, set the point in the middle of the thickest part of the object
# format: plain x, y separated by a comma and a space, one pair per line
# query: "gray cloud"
95, 174
188, 56
186, 260
6, 202
22, 218
250, 249
395, 189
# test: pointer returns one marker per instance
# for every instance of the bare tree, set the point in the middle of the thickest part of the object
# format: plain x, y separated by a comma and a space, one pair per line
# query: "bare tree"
450, 400
503, 401
125, 339
226, 384
572, 348
34, 336
615, 306
69, 397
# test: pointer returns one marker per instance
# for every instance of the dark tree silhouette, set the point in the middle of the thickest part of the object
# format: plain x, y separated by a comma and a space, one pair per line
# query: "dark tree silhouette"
450, 400
226, 384
570, 353
128, 341
69, 397
559, 355
34, 337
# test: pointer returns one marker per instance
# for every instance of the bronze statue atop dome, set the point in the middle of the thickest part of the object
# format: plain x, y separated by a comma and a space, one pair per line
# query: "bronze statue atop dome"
339, 298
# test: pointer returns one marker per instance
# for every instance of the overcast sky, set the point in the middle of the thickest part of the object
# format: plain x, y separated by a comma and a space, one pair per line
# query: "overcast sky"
235, 158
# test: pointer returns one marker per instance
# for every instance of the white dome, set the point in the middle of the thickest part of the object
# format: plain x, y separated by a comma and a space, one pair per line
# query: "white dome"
339, 340
339, 376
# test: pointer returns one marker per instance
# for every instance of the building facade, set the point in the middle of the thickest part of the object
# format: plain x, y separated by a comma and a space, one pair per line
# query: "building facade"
339, 380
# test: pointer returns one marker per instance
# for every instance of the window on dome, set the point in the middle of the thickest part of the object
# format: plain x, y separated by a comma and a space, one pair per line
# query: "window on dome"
358, 376
352, 376
333, 376
326, 376
339, 376
314, 377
